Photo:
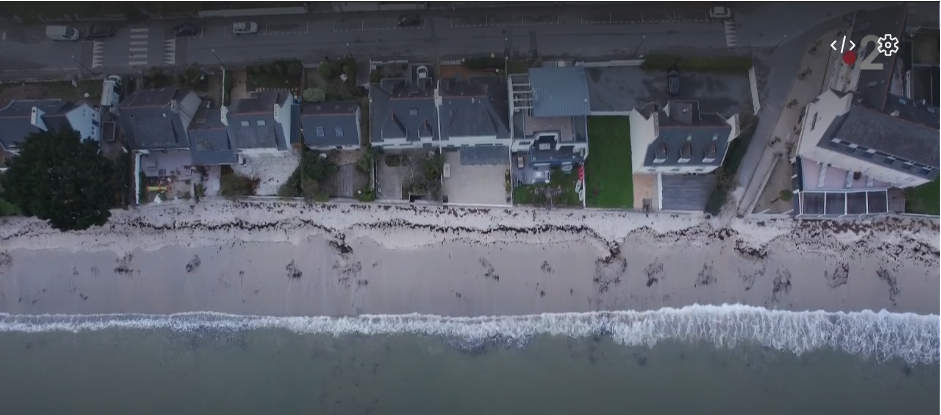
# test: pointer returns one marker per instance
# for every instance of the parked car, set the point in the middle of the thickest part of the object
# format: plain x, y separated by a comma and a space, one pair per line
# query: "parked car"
186, 29
63, 33
244, 28
673, 80
99, 32
720, 12
408, 20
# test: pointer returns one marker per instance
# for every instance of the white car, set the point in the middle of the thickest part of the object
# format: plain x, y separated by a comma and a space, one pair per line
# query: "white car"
720, 12
244, 28
63, 33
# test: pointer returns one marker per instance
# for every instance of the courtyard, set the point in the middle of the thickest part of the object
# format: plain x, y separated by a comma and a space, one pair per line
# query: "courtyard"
477, 176
171, 176
409, 175
271, 169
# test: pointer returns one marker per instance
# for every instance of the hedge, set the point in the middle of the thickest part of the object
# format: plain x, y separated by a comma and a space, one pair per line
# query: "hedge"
698, 63
484, 63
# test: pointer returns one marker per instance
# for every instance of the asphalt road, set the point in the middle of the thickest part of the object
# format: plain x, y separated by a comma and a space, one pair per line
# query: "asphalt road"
565, 31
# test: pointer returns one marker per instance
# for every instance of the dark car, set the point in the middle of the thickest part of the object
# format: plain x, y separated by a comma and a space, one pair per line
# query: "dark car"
186, 29
408, 20
673, 80
99, 32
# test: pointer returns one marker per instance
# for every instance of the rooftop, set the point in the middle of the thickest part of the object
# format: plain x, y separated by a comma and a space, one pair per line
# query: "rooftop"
209, 140
687, 136
475, 107
16, 124
873, 86
402, 109
330, 123
151, 118
559, 92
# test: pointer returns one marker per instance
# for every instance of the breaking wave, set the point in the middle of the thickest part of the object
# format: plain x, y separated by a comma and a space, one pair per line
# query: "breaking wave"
878, 335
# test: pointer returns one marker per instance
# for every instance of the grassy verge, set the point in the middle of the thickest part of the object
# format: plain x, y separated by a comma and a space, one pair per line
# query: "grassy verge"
698, 63
44, 90
608, 168
924, 199
535, 194
726, 173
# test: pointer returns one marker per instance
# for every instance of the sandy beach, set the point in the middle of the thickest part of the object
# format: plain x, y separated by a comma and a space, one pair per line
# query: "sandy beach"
289, 258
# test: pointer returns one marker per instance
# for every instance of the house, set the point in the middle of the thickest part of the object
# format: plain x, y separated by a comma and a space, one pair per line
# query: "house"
266, 122
549, 108
474, 112
331, 125
679, 139
210, 144
158, 119
404, 112
866, 133
19, 118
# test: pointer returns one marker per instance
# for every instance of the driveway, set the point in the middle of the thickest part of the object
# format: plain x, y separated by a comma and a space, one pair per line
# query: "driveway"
477, 175
621, 89
682, 192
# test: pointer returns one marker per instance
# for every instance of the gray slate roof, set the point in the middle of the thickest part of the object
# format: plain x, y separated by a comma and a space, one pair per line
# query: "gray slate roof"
252, 123
15, 123
687, 133
401, 109
330, 123
873, 86
209, 139
475, 107
149, 121
886, 134
560, 92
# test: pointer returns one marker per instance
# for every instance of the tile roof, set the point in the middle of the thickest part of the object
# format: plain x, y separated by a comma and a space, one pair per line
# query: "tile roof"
151, 118
401, 109
15, 123
209, 140
873, 86
475, 107
686, 133
560, 92
252, 123
330, 123
886, 134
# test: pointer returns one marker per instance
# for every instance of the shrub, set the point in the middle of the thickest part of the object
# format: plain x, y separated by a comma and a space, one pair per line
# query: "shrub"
698, 63
726, 173
314, 95
366, 195
295, 68
484, 63
232, 184
325, 70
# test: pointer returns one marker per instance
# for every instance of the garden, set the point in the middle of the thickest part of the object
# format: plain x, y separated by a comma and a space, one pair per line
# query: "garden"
280, 74
559, 192
333, 81
608, 170
312, 178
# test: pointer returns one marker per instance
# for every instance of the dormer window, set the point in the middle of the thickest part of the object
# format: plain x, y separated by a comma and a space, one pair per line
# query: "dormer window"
710, 154
686, 152
320, 132
339, 131
413, 111
245, 123
260, 123
660, 154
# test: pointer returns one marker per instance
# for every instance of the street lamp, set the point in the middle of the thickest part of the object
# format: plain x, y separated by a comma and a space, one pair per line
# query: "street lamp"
642, 39
217, 58
348, 49
223, 74
83, 65
779, 44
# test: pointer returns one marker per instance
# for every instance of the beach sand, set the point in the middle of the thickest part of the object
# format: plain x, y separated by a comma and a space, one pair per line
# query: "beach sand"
292, 258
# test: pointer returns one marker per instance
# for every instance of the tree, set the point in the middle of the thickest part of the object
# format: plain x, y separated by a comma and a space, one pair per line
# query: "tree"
326, 71
314, 95
60, 178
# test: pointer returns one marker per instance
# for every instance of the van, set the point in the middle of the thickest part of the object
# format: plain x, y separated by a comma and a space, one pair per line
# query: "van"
244, 28
62, 33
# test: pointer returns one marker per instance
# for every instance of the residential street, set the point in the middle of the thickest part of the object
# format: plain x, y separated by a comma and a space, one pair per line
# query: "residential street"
586, 32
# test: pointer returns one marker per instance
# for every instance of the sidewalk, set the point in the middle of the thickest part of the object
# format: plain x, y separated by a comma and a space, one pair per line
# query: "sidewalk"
803, 91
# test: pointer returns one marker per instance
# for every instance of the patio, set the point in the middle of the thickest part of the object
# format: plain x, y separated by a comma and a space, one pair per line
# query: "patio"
271, 170
167, 176
477, 176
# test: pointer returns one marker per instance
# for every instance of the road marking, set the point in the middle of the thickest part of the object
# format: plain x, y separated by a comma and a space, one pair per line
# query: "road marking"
140, 36
201, 31
731, 39
169, 52
97, 57
140, 29
138, 49
4, 37
135, 63
139, 42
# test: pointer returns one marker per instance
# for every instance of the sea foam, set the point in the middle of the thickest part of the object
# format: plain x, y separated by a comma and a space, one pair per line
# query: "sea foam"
878, 335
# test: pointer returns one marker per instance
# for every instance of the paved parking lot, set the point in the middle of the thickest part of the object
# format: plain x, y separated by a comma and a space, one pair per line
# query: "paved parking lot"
365, 25
534, 19
477, 176
626, 88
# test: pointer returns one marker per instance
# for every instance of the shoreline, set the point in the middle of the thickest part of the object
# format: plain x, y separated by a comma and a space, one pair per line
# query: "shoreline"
290, 258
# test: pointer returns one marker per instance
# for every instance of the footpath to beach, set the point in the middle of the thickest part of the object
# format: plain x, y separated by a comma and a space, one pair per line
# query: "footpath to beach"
291, 258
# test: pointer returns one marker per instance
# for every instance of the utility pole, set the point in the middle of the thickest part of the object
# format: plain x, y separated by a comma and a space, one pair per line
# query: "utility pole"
348, 50
222, 65
779, 44
83, 65
642, 39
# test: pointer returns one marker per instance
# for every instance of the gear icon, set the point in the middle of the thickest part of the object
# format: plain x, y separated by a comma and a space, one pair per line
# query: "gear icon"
888, 45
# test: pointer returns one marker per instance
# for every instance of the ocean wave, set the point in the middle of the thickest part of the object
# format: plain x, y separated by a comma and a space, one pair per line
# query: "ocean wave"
878, 335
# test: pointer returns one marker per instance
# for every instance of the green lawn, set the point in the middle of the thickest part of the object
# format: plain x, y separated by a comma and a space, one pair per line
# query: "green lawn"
924, 199
608, 168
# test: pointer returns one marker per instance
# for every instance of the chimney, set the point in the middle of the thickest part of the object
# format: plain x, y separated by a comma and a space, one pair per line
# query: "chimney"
35, 118
224, 111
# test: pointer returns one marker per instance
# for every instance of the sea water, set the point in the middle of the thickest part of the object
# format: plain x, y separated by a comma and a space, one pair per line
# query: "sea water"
700, 359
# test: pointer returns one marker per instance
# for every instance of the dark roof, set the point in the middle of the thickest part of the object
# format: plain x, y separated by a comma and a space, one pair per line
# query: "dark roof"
919, 112
873, 86
330, 123
15, 123
559, 92
885, 134
150, 118
252, 123
209, 140
401, 109
687, 133
475, 107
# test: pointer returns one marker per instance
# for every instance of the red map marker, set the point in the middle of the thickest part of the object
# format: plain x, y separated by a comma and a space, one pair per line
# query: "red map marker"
849, 57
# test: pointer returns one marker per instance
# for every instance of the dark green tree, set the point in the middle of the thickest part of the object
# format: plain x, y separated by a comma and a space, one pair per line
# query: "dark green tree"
60, 178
